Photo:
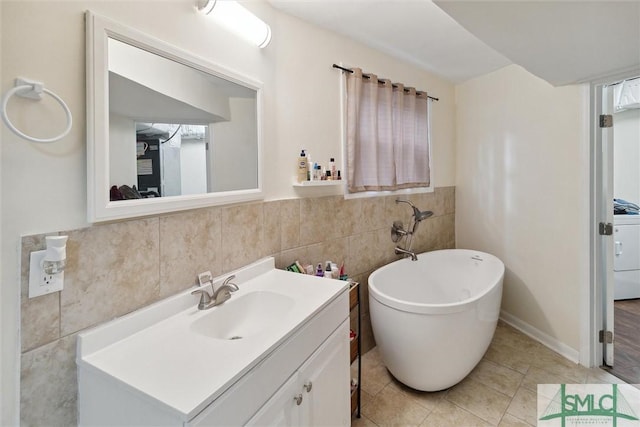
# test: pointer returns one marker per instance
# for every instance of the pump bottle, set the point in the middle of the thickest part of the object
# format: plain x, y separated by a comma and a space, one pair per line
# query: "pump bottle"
302, 167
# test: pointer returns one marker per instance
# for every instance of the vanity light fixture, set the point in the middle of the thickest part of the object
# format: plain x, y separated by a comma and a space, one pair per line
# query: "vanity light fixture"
238, 19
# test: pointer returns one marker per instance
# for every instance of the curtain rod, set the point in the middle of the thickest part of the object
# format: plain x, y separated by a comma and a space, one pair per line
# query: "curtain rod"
379, 81
622, 81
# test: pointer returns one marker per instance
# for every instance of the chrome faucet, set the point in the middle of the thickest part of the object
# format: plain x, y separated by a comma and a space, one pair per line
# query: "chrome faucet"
412, 254
218, 296
398, 232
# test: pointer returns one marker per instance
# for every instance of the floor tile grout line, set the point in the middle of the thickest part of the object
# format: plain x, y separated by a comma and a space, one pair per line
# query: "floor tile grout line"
520, 386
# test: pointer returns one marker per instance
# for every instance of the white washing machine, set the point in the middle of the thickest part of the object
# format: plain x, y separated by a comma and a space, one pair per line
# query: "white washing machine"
626, 262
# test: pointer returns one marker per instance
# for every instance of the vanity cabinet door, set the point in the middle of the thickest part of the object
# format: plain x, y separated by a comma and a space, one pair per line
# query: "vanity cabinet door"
317, 394
324, 379
282, 409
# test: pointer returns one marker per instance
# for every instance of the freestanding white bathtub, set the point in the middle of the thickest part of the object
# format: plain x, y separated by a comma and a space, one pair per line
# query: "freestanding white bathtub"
433, 319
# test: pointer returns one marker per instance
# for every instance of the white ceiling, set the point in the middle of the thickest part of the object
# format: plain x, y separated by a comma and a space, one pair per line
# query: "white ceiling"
416, 31
562, 42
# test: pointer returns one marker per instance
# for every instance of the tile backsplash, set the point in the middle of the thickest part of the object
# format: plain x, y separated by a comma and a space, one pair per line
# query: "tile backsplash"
113, 269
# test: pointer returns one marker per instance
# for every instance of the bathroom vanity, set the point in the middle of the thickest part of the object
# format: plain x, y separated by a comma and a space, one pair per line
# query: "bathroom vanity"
275, 353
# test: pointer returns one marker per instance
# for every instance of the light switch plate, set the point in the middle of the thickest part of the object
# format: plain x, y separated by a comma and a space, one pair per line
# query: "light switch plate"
41, 283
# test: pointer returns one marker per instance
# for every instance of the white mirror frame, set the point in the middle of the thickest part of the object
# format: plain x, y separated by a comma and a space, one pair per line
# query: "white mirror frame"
99, 207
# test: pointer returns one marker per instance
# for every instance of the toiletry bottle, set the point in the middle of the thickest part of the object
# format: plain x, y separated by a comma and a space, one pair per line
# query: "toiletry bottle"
327, 271
332, 167
343, 276
319, 271
335, 273
302, 167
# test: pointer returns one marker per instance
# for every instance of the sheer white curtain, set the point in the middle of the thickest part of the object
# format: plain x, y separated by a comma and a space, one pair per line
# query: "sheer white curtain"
387, 135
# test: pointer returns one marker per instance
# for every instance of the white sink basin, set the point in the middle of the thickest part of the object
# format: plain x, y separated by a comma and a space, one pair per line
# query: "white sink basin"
160, 352
244, 316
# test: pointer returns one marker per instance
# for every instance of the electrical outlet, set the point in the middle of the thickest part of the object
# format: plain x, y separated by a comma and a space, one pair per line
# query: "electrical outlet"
41, 283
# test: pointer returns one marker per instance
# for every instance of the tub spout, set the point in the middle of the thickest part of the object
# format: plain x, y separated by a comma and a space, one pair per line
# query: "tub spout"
413, 255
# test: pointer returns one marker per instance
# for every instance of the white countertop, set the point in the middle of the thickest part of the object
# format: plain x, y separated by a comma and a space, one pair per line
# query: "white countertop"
157, 352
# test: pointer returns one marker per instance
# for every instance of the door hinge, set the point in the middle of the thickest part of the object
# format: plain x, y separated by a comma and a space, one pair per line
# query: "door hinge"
605, 228
606, 120
605, 335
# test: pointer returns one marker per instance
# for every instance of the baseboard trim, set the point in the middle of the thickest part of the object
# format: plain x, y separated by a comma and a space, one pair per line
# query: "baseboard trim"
543, 338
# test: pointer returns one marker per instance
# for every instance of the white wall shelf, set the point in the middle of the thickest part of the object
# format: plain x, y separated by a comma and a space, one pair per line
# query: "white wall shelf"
318, 183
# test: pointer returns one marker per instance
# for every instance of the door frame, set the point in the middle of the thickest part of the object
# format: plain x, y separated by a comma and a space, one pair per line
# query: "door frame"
593, 314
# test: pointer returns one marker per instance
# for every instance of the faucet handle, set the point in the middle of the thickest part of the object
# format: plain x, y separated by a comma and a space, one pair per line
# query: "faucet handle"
227, 282
205, 298
205, 278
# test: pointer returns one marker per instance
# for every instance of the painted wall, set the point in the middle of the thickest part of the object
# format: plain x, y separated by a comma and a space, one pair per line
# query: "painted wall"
171, 166
522, 192
122, 152
44, 186
233, 149
159, 75
193, 166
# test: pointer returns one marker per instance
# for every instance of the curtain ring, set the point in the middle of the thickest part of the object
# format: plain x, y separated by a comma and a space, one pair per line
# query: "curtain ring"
33, 87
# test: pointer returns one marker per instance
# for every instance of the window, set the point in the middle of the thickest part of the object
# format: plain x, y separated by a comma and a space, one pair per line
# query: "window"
387, 134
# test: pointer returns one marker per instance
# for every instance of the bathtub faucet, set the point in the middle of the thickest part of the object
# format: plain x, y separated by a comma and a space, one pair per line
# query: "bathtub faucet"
412, 254
418, 215
398, 232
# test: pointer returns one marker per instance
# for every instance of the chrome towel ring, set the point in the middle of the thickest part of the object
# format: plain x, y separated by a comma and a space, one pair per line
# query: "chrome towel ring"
33, 90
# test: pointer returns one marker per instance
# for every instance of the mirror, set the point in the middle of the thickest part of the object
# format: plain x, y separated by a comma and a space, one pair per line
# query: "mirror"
167, 130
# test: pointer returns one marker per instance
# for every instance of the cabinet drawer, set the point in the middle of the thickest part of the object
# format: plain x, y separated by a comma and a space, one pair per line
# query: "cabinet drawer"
353, 295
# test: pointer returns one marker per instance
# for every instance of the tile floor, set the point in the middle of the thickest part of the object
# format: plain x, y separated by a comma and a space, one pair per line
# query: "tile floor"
500, 391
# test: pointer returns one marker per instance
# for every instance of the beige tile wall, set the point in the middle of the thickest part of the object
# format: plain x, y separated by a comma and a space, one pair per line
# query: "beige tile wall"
116, 268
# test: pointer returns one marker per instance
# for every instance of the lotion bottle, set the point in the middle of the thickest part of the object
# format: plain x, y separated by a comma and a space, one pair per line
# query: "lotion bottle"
302, 167
332, 167
327, 271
